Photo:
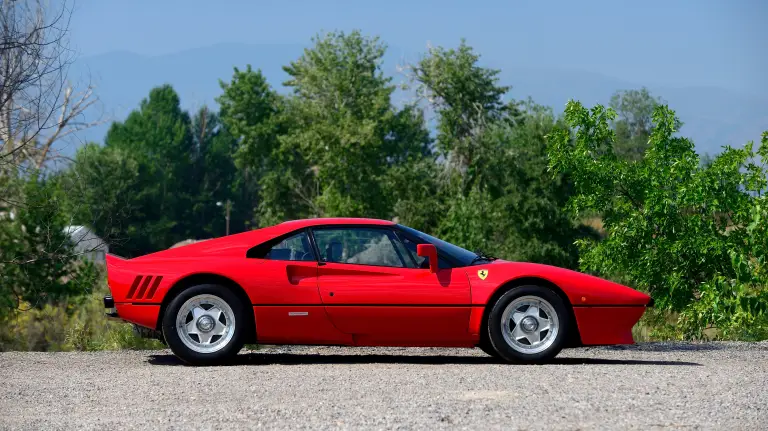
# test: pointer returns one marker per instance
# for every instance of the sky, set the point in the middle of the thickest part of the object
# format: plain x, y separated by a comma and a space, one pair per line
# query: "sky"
712, 43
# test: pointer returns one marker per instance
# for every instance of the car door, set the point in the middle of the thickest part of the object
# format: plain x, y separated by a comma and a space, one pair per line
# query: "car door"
287, 307
372, 288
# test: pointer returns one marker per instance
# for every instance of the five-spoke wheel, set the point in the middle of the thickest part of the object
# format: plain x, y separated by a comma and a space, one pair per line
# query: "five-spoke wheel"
205, 324
528, 324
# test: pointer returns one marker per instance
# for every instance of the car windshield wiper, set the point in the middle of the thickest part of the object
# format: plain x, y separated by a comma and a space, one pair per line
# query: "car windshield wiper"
481, 255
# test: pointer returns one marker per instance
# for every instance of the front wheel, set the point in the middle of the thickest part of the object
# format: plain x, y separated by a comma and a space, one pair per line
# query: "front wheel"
528, 324
205, 325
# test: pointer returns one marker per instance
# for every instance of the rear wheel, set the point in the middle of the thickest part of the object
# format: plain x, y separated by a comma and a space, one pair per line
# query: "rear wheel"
205, 325
528, 324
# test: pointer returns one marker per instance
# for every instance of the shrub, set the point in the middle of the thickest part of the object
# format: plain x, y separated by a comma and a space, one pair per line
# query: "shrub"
77, 324
692, 236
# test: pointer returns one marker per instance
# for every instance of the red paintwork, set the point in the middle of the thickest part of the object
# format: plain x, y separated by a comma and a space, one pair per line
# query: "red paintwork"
142, 315
348, 291
336, 303
430, 252
607, 325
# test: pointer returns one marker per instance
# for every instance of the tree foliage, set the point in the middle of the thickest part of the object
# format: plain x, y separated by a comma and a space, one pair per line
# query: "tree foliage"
344, 135
158, 178
467, 98
689, 234
38, 264
632, 125
495, 192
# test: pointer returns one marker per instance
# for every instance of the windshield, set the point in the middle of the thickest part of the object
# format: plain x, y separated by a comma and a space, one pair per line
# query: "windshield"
462, 256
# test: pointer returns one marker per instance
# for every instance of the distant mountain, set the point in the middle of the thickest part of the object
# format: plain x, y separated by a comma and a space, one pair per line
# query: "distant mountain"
713, 117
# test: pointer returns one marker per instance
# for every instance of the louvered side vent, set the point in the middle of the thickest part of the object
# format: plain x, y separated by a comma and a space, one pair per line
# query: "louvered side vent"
153, 289
145, 285
134, 286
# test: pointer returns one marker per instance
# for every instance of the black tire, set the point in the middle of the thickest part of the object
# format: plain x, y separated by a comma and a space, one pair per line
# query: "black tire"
487, 348
230, 349
503, 348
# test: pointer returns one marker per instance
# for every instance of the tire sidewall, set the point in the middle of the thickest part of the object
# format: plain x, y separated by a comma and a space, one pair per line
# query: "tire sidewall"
190, 356
497, 338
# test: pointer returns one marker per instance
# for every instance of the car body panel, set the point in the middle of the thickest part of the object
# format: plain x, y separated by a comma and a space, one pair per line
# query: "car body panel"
297, 324
140, 314
607, 325
396, 303
311, 302
581, 289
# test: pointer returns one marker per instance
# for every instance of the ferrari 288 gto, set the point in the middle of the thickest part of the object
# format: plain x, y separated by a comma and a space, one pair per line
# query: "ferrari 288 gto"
362, 282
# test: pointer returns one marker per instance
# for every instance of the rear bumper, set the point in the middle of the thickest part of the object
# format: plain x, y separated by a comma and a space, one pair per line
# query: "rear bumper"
607, 325
145, 315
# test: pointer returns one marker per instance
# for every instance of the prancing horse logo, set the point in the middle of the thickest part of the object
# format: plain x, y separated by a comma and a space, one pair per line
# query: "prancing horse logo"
482, 274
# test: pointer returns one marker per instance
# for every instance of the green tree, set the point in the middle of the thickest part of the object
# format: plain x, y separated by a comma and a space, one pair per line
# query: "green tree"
38, 262
688, 234
493, 189
468, 99
634, 110
217, 179
102, 189
158, 136
345, 137
518, 211
252, 114
250, 111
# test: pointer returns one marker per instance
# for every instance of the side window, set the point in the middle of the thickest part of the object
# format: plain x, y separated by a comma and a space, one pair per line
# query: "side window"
296, 247
404, 253
362, 246
421, 262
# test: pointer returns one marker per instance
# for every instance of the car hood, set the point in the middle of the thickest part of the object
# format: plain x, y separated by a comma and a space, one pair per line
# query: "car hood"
582, 289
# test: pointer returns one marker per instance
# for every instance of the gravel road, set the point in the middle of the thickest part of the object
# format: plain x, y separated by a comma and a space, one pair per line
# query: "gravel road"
647, 386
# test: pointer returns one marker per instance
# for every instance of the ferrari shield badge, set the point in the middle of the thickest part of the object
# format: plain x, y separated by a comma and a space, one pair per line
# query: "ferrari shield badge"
482, 274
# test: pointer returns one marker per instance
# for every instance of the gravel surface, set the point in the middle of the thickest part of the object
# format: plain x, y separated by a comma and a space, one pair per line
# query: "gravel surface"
647, 386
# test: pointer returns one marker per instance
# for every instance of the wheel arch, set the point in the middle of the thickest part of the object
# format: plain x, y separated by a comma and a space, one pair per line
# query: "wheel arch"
208, 278
574, 338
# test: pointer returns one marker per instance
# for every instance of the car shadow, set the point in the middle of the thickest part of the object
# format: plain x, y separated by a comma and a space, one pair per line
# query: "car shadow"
664, 346
303, 359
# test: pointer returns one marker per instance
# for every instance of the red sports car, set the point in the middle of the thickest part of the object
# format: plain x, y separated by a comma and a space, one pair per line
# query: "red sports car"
362, 282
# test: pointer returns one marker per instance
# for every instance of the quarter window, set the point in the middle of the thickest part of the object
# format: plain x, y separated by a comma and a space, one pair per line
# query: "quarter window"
359, 246
295, 247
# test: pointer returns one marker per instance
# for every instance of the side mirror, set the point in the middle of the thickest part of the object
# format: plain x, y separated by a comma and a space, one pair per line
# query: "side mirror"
430, 252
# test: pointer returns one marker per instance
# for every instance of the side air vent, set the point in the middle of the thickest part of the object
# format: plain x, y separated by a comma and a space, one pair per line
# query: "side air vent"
134, 286
142, 283
153, 289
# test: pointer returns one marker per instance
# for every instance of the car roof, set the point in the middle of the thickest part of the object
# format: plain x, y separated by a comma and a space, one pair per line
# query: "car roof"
238, 244
297, 224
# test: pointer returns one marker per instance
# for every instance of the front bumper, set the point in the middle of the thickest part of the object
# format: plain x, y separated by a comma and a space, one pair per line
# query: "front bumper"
607, 325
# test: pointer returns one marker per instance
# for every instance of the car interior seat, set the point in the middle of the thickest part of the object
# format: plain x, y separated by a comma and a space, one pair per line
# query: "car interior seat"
333, 252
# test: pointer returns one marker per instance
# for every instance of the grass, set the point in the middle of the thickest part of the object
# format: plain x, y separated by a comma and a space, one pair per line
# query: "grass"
78, 325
